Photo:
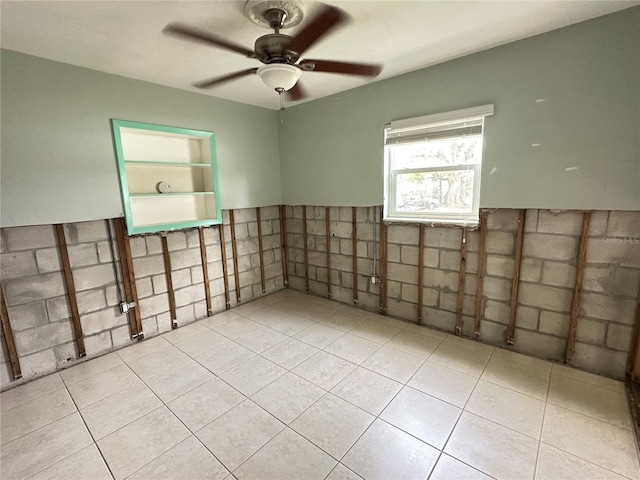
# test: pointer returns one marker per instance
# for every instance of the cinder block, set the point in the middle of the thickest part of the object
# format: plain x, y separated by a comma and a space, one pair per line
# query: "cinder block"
530, 270
602, 307
449, 260
102, 320
590, 331
211, 235
554, 323
539, 344
620, 250
164, 322
120, 336
246, 247
599, 223
552, 247
503, 219
565, 223
493, 333
58, 308
32, 289
105, 254
18, 264
197, 275
3, 242
272, 212
496, 288
496, 311
91, 301
450, 238
341, 229
403, 235
531, 221
99, 343
499, 242
113, 295
393, 289
149, 265
38, 364
144, 288
93, 277
402, 273
193, 238
185, 314
320, 244
245, 215
48, 260
408, 311
612, 280
317, 212
527, 317
189, 295
83, 255
619, 337
624, 224
600, 360
43, 337
138, 246
29, 238
409, 293
83, 232
545, 297
558, 274
499, 266
154, 244
176, 241
27, 316
472, 262
150, 326
393, 253
154, 305
439, 319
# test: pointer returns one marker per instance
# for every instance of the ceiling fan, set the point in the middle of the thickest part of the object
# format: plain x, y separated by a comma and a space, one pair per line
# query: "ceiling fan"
281, 54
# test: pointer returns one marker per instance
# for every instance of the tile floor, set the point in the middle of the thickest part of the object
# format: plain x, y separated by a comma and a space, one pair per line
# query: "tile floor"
294, 386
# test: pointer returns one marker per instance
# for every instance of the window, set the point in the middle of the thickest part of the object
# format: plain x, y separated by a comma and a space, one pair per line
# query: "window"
432, 167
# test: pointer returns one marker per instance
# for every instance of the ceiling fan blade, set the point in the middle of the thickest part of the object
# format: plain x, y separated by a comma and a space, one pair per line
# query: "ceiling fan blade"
226, 78
347, 68
297, 92
327, 19
195, 34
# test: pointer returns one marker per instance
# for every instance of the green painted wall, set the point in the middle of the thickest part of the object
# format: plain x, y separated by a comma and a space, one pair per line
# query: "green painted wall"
58, 161
587, 76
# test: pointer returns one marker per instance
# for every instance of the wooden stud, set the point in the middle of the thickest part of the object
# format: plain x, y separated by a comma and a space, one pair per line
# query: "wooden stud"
479, 284
283, 245
633, 362
225, 275
354, 237
128, 279
461, 281
71, 289
577, 290
9, 340
205, 271
515, 284
306, 248
328, 228
383, 265
420, 272
261, 252
234, 251
167, 273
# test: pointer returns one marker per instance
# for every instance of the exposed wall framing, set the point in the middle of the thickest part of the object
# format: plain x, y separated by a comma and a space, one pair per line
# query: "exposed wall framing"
9, 340
420, 272
169, 277
461, 280
225, 274
517, 265
354, 252
482, 240
383, 264
327, 221
306, 247
205, 270
260, 250
282, 215
234, 251
128, 279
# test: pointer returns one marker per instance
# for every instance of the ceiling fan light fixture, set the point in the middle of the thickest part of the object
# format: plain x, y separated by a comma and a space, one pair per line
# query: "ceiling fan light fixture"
279, 76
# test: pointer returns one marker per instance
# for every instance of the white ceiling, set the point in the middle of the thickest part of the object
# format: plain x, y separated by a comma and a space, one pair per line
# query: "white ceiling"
124, 37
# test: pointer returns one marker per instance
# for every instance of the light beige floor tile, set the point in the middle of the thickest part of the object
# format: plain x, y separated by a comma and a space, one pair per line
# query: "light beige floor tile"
465, 360
30, 391
142, 348
287, 456
239, 433
425, 417
554, 464
289, 353
274, 298
367, 390
89, 368
287, 397
99, 386
319, 335
345, 321
417, 345
332, 424
424, 331
526, 360
141, 441
448, 468
352, 348
224, 357
606, 405
586, 377
220, 318
114, 412
252, 375
200, 343
470, 344
392, 322
508, 408
601, 443
375, 331
236, 328
324, 370
86, 463
281, 320
492, 448
342, 473
530, 379
189, 459
310, 309
441, 382
37, 413
205, 403
393, 364
178, 380
157, 362
385, 452
246, 308
260, 339
39, 449
182, 333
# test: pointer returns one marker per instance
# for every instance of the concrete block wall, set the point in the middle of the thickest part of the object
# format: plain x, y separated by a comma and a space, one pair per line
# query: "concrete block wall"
37, 304
547, 277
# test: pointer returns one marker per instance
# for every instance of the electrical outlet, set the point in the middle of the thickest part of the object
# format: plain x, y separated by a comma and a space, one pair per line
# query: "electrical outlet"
125, 307
375, 279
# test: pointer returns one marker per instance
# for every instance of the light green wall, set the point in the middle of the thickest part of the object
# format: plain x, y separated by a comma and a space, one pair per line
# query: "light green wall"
588, 75
58, 162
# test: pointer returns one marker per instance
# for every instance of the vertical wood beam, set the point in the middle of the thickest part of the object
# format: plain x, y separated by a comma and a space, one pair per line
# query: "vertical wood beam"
234, 251
420, 272
261, 252
225, 274
9, 340
167, 273
461, 281
71, 289
577, 290
354, 237
205, 271
480, 283
328, 228
128, 279
633, 362
306, 248
515, 284
284, 254
383, 264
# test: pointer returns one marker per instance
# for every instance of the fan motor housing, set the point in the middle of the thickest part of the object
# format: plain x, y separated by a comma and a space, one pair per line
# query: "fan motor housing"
272, 48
